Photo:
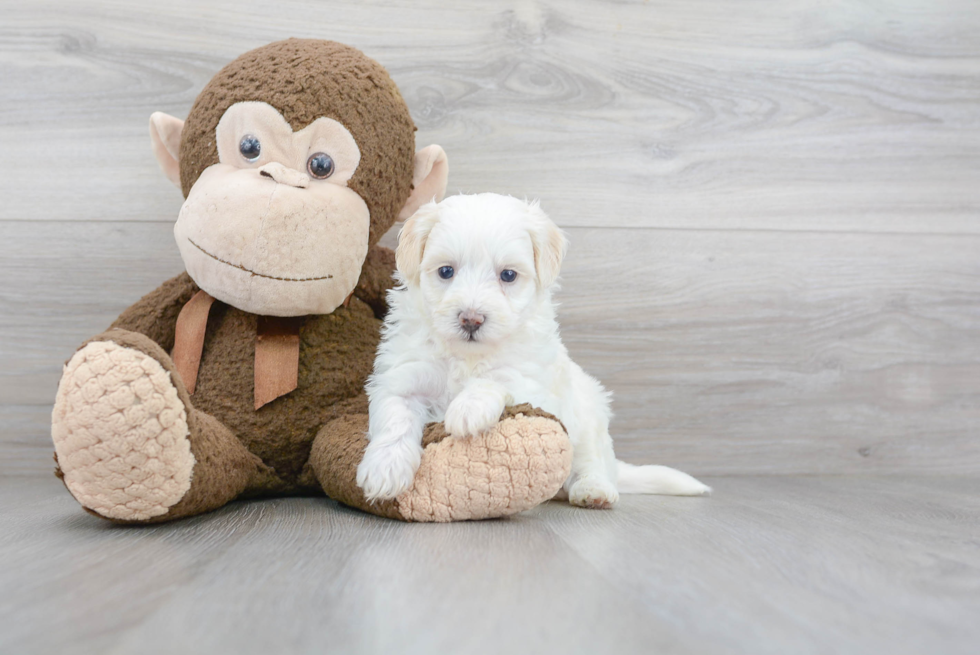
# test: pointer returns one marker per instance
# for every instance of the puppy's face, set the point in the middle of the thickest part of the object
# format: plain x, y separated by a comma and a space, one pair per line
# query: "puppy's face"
482, 264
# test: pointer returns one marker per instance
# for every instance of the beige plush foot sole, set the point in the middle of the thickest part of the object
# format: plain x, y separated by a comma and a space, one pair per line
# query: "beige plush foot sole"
519, 464
120, 433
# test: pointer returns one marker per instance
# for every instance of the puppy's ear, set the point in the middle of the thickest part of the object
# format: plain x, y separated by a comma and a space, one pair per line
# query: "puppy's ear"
411, 241
549, 244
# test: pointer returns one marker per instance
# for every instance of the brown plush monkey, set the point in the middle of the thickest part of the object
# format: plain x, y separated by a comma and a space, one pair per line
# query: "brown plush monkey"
245, 375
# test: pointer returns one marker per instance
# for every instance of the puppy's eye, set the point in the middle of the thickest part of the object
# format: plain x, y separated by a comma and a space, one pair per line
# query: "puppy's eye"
508, 275
446, 272
250, 147
320, 165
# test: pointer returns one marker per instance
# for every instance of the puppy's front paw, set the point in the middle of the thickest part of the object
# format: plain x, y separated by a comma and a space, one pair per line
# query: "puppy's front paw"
593, 493
470, 414
388, 468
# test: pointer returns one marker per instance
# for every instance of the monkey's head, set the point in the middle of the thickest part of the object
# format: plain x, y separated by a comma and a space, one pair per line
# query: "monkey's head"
294, 160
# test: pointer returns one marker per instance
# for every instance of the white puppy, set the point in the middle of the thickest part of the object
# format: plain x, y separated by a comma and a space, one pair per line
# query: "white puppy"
472, 329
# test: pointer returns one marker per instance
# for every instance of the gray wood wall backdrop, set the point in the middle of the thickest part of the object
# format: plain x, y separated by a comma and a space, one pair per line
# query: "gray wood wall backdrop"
774, 207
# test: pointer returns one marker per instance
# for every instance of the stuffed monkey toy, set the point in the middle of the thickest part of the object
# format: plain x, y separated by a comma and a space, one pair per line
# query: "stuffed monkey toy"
244, 376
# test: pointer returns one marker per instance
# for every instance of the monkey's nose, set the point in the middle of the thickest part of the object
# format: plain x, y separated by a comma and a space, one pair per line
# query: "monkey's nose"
284, 175
471, 320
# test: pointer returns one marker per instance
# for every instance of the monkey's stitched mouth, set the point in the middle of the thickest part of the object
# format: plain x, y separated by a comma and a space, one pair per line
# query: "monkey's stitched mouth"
251, 272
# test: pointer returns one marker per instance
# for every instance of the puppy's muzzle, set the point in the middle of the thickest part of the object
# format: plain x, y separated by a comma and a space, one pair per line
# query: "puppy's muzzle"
471, 321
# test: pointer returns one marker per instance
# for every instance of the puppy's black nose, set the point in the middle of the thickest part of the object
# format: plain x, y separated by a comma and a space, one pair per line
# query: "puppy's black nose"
471, 320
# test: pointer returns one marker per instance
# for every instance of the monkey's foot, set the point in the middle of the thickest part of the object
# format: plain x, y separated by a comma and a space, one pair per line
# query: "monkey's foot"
120, 433
516, 465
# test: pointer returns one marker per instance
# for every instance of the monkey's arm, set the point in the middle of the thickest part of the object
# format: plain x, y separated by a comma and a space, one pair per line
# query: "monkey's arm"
155, 314
376, 279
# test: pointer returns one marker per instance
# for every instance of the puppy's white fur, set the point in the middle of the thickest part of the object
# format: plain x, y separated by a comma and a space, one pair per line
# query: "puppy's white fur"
429, 368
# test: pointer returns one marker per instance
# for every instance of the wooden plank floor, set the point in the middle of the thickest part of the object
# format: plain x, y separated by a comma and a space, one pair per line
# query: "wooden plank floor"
767, 565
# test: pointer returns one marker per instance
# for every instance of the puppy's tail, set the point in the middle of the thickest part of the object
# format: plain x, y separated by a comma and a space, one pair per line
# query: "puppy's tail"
653, 479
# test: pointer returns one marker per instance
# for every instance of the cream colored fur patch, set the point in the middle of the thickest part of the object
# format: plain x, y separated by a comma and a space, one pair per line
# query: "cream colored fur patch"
120, 432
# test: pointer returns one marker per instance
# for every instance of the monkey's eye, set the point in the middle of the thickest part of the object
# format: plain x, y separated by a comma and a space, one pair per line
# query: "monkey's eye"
250, 147
508, 275
446, 272
320, 165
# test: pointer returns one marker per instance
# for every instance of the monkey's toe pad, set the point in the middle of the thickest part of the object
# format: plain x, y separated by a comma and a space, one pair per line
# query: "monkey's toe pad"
518, 464
120, 433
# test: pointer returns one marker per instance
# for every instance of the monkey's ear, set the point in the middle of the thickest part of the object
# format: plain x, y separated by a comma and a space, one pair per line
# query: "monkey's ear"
165, 135
411, 241
549, 244
430, 179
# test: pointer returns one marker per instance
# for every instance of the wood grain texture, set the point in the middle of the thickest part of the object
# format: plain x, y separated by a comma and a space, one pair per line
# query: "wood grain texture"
775, 265
773, 209
727, 352
806, 115
767, 565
